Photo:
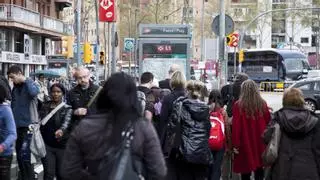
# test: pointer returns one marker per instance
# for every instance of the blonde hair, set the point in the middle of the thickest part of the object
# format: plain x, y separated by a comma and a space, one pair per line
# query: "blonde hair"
195, 89
178, 80
293, 97
250, 100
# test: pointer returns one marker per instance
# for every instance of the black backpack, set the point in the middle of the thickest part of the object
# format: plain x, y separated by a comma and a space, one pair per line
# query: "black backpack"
119, 163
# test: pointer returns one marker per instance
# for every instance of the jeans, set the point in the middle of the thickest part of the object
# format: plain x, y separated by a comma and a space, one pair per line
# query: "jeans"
215, 168
52, 163
26, 171
258, 175
5, 167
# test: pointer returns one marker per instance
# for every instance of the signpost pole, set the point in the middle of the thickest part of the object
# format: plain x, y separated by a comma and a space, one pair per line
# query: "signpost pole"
113, 57
222, 59
78, 19
235, 61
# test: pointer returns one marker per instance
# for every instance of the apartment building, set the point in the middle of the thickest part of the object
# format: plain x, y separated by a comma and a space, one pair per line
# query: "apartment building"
30, 30
290, 29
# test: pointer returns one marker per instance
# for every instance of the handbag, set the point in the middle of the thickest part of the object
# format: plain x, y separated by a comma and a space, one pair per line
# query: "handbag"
37, 145
270, 154
118, 162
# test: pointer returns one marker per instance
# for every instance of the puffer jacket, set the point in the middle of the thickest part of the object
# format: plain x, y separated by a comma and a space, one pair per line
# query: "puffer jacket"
89, 142
195, 132
189, 128
60, 120
299, 149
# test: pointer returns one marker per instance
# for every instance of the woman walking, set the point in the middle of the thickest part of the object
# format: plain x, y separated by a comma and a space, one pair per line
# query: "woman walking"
250, 118
55, 131
299, 148
8, 135
103, 132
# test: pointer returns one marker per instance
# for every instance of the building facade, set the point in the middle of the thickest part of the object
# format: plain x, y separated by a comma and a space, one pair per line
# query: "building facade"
30, 30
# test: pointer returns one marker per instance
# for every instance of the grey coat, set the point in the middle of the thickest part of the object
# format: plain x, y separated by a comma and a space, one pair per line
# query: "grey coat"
86, 147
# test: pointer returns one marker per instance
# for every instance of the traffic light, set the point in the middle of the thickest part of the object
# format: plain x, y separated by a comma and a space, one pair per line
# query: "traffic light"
241, 56
102, 57
87, 53
67, 46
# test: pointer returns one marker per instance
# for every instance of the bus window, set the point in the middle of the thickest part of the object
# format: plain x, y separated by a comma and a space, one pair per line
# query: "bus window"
293, 64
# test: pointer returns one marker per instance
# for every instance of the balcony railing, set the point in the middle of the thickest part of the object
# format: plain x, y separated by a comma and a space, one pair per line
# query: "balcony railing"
19, 14
52, 24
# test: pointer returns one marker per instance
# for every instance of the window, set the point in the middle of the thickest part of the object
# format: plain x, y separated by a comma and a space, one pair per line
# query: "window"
48, 10
317, 86
304, 40
18, 40
305, 87
4, 40
314, 40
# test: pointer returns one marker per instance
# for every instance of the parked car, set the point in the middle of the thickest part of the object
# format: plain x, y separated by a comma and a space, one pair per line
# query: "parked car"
311, 91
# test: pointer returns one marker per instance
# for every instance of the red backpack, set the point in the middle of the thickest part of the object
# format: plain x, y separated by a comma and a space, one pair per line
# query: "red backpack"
217, 135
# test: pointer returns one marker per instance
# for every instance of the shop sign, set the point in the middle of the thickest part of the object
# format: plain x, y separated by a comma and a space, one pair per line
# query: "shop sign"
19, 58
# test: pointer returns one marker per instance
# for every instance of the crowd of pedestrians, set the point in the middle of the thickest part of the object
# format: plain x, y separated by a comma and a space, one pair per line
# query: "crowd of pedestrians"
173, 130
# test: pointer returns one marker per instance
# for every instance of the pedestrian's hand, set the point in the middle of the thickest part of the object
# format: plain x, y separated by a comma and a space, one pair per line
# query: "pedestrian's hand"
81, 111
235, 150
1, 148
59, 133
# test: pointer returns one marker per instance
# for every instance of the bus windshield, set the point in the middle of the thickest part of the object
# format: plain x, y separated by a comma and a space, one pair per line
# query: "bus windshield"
295, 64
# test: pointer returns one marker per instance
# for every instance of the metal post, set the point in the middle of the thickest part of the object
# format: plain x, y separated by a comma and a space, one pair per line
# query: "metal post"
109, 51
105, 51
202, 30
235, 62
113, 51
78, 19
223, 61
130, 53
98, 39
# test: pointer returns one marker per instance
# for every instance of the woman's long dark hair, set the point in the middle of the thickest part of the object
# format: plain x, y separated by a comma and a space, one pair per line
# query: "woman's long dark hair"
119, 99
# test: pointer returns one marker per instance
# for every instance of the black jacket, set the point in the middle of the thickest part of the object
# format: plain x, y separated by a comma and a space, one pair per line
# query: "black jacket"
299, 149
195, 129
60, 120
87, 146
166, 111
79, 98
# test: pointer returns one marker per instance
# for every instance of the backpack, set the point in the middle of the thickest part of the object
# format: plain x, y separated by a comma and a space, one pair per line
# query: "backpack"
141, 102
119, 163
217, 134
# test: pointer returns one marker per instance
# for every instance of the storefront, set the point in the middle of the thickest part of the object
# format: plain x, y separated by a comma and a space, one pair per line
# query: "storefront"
28, 64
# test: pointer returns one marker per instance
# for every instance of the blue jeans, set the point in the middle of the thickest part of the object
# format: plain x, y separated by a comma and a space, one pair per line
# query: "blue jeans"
215, 168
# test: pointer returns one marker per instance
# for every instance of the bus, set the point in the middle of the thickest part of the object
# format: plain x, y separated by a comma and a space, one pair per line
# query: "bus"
59, 64
271, 65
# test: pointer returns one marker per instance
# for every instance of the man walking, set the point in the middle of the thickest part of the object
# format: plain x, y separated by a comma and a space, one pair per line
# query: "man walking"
165, 84
24, 108
81, 94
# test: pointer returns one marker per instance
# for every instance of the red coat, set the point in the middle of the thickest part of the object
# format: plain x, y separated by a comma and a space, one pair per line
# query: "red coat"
247, 138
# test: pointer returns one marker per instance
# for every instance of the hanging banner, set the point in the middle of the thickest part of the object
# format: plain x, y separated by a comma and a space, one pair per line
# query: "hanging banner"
107, 11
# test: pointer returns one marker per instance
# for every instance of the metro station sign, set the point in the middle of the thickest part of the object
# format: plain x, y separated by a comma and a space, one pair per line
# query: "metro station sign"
107, 11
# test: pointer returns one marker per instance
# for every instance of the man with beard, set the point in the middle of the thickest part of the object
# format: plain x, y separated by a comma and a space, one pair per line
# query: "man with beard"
81, 95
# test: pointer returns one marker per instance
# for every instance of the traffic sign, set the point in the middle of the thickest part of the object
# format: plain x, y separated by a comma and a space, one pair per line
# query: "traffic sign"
215, 25
129, 44
233, 39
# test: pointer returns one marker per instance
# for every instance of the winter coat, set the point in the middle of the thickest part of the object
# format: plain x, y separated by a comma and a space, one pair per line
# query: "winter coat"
246, 137
79, 98
166, 111
195, 132
299, 149
87, 146
8, 132
60, 120
24, 103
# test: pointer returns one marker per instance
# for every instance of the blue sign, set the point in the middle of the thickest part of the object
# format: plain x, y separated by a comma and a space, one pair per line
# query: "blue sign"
129, 44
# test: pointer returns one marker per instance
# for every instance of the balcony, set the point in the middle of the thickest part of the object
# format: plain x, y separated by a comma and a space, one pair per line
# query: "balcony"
26, 19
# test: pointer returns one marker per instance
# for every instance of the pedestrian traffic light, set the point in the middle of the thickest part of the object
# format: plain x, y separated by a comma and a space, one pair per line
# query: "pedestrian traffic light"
241, 56
67, 46
87, 53
102, 57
